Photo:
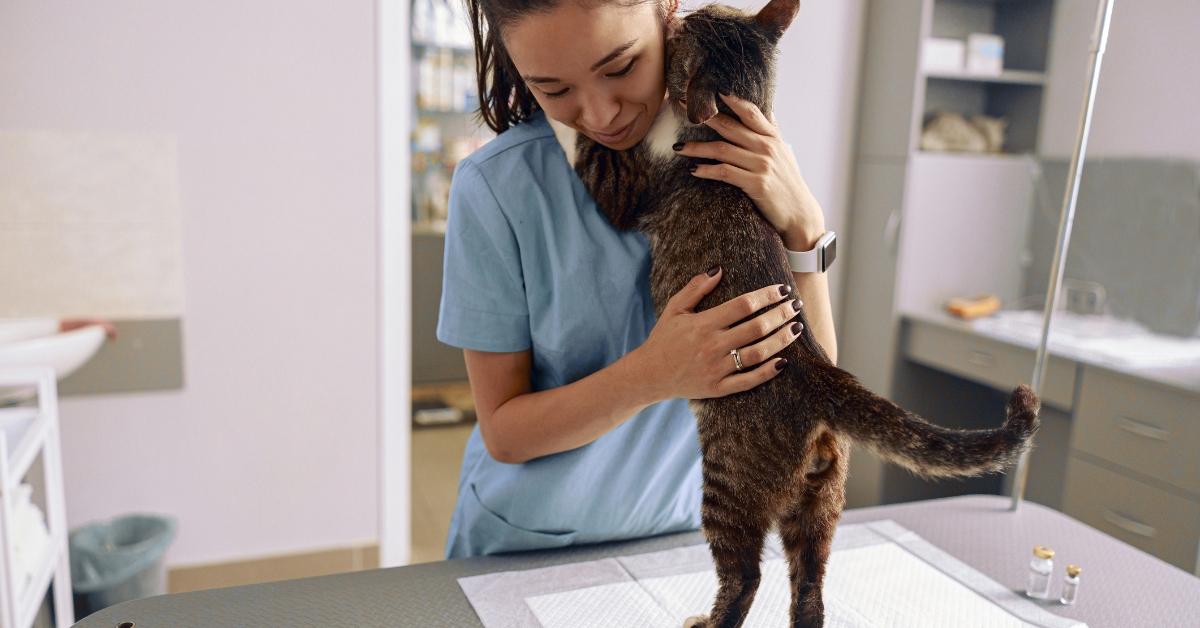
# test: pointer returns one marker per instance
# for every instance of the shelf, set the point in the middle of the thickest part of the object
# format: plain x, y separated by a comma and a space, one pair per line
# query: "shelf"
429, 228
430, 44
1013, 77
23, 435
30, 432
1000, 157
35, 591
443, 112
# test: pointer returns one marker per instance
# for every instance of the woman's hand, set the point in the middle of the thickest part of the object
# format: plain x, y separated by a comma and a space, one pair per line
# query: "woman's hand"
756, 159
688, 354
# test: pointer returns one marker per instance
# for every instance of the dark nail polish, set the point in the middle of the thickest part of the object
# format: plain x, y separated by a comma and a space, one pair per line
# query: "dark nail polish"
692, 167
712, 272
677, 146
796, 305
780, 364
796, 327
784, 289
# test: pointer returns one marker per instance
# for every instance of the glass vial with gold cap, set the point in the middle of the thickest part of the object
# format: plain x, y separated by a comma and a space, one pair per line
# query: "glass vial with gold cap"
1070, 585
1040, 569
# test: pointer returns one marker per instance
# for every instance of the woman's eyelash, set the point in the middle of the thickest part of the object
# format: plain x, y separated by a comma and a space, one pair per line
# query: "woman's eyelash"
618, 74
624, 71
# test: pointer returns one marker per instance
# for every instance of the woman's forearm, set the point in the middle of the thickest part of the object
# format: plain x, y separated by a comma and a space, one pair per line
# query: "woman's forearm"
559, 419
813, 290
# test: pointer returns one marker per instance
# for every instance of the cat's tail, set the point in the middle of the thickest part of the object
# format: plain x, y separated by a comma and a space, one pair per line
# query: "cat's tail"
932, 451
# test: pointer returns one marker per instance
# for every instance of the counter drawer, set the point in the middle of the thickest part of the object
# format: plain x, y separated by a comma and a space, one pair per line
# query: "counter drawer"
1138, 426
991, 362
1144, 516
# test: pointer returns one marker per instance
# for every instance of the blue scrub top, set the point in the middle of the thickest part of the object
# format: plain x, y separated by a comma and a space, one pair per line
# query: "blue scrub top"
530, 263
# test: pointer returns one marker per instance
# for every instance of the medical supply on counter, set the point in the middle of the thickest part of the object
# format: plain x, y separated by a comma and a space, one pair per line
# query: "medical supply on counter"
1070, 585
985, 54
1040, 569
942, 54
968, 308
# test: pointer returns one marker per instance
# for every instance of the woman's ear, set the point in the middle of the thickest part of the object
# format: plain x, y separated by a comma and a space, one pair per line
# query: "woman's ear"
670, 16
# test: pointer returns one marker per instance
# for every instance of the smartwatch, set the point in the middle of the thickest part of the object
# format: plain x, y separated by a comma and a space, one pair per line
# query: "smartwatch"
819, 259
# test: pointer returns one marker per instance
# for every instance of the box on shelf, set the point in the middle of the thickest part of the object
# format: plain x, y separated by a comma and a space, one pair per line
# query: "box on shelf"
942, 54
985, 54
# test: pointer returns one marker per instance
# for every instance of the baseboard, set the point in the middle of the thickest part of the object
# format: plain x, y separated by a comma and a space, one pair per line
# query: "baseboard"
272, 568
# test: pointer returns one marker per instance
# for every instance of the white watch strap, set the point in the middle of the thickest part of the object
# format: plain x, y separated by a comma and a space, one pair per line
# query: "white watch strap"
810, 261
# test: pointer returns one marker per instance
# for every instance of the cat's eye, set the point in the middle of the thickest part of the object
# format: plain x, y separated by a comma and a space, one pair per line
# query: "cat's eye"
618, 74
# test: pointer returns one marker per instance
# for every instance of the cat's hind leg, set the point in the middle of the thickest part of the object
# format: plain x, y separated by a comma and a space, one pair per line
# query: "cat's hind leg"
735, 522
807, 528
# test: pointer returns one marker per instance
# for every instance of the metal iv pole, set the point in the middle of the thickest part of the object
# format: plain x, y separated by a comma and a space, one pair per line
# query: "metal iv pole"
1070, 196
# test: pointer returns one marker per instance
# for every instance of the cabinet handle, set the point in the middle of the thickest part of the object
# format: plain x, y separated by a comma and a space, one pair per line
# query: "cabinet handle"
981, 358
891, 231
1142, 429
1129, 525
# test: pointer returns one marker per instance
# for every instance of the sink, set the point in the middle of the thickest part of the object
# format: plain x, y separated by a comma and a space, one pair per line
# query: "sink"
37, 342
1094, 338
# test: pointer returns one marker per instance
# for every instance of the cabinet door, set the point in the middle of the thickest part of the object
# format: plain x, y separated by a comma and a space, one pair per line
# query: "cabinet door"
966, 221
1000, 365
1147, 517
1140, 426
867, 332
888, 116
867, 337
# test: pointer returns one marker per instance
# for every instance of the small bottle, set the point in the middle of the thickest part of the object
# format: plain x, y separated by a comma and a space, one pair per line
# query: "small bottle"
1070, 585
1040, 569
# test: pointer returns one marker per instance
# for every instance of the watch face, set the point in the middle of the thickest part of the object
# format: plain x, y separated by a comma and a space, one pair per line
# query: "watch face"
828, 253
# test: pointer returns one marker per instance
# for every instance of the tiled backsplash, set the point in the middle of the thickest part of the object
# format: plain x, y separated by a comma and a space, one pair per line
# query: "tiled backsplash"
1136, 232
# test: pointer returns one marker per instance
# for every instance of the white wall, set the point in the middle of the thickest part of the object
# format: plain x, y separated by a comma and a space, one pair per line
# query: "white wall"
816, 106
272, 445
816, 102
1149, 95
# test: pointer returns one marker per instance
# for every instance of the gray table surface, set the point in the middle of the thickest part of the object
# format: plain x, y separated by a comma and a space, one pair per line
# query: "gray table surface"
1120, 585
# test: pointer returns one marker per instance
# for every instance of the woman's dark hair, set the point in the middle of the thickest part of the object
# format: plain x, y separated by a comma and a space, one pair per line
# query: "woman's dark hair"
505, 100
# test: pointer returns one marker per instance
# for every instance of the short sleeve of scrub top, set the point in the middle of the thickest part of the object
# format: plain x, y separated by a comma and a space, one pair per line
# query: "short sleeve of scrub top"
531, 264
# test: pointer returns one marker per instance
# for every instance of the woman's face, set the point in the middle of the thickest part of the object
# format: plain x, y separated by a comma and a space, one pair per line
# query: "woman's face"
598, 70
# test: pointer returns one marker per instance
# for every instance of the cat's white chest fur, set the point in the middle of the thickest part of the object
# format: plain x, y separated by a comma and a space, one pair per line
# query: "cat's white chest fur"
662, 135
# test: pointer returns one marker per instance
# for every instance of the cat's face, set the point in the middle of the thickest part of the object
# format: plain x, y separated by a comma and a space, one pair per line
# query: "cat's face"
718, 48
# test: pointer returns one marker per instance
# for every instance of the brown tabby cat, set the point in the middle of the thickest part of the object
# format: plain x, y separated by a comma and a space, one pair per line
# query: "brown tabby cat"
777, 453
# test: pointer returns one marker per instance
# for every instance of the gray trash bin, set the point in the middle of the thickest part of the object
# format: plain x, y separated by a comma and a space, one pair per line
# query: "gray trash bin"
118, 560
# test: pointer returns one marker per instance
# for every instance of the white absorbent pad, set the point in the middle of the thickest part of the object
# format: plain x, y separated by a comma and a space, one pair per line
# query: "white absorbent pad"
879, 574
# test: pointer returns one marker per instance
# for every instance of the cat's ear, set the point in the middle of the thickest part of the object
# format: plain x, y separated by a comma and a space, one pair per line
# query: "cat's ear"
701, 102
777, 16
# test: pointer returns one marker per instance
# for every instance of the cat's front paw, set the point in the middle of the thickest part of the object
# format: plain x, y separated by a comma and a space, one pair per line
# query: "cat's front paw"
696, 621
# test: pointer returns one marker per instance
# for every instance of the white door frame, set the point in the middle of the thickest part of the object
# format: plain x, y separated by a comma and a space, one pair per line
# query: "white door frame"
394, 290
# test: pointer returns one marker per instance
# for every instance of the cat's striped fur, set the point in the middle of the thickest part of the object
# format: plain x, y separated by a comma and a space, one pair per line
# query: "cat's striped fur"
775, 454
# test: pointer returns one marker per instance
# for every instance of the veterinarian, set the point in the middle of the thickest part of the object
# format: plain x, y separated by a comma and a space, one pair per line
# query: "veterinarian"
584, 432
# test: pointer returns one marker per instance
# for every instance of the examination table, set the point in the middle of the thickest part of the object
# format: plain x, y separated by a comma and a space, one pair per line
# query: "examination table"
1120, 585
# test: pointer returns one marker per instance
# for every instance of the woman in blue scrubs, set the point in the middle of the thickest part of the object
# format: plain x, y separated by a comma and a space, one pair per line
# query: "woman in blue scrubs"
584, 433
